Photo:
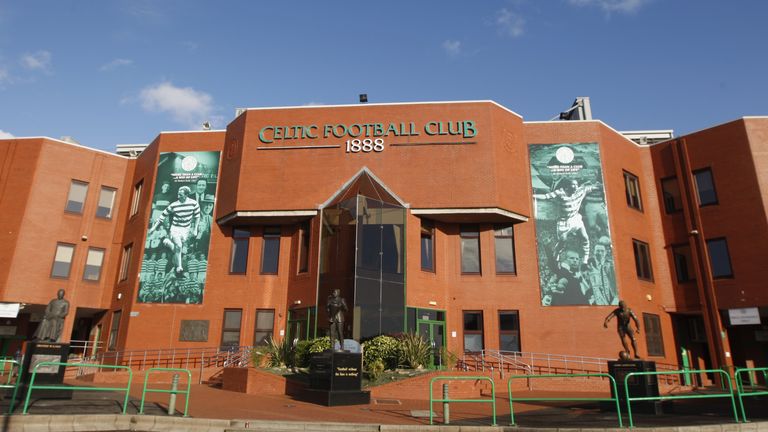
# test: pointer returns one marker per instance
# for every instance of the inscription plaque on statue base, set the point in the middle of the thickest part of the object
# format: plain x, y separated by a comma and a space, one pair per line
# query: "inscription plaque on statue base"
639, 386
335, 378
38, 352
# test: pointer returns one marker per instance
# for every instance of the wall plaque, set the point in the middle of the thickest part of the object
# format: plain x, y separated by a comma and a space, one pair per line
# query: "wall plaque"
193, 331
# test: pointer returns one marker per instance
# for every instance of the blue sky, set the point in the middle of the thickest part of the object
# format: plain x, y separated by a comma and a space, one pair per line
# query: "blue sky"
119, 72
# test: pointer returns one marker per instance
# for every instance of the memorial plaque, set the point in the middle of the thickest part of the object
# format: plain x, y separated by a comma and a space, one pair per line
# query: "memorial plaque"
335, 378
38, 352
194, 331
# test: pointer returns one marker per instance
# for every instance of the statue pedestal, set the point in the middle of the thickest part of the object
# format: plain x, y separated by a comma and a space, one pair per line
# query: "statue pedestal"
37, 352
335, 378
639, 386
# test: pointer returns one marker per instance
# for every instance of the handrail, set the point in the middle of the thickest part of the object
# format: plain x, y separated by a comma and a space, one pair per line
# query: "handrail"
144, 391
725, 379
492, 401
740, 387
32, 385
615, 392
172, 357
15, 386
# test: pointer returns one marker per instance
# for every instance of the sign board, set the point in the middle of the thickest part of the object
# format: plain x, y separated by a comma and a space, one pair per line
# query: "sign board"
744, 316
9, 310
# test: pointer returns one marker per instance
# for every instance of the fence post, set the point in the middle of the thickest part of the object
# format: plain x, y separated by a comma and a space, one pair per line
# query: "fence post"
172, 397
446, 406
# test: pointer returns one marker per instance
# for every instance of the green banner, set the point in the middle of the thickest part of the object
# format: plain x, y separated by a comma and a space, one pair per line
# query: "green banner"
572, 234
176, 248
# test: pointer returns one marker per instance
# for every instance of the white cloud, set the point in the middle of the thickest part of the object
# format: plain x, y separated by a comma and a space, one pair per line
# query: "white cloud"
452, 47
5, 135
623, 6
4, 75
116, 63
510, 23
186, 105
40, 60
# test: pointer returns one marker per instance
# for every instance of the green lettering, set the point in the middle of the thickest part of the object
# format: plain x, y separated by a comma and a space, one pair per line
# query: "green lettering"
359, 130
262, 137
428, 128
308, 131
327, 130
469, 126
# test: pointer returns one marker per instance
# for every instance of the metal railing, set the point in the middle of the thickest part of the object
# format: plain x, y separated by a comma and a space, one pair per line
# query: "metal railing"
614, 392
432, 400
13, 372
172, 391
186, 358
742, 393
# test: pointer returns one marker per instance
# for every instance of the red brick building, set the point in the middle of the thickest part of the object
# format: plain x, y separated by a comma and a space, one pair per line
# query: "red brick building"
451, 219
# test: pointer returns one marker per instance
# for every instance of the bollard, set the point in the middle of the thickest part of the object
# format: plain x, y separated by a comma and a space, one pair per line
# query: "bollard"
172, 398
446, 406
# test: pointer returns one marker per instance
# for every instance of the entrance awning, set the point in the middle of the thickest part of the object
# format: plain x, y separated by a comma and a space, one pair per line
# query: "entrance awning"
267, 217
470, 215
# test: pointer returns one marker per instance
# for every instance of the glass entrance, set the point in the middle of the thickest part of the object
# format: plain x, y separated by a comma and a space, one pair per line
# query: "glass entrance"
434, 333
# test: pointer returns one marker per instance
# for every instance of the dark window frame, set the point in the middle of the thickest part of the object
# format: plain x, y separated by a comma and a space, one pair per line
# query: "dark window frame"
305, 244
136, 198
466, 332
72, 183
114, 329
642, 249
667, 209
510, 332
125, 262
427, 238
101, 265
271, 236
245, 242
498, 237
654, 342
635, 202
225, 329
111, 205
728, 275
676, 263
714, 187
69, 265
470, 231
257, 330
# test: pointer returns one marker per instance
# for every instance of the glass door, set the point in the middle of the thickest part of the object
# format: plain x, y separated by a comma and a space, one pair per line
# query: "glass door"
434, 333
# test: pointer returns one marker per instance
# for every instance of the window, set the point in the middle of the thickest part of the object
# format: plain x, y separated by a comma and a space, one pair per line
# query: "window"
76, 198
719, 258
106, 201
125, 262
265, 322
427, 245
93, 263
270, 250
230, 330
470, 249
114, 330
62, 261
632, 189
473, 331
673, 203
504, 238
653, 339
136, 198
304, 242
642, 260
238, 262
705, 187
509, 331
683, 263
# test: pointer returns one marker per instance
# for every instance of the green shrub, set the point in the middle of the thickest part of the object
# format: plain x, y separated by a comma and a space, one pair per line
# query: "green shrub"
449, 359
279, 354
383, 348
259, 356
375, 370
301, 353
414, 351
319, 345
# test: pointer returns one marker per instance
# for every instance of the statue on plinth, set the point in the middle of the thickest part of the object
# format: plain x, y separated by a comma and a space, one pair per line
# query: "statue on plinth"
336, 307
623, 314
52, 325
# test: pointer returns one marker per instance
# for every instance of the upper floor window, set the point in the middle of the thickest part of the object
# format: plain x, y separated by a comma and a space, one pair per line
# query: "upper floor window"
270, 251
705, 187
62, 261
719, 258
642, 260
93, 264
76, 198
114, 330
427, 245
106, 202
136, 198
238, 261
304, 242
470, 248
504, 241
671, 191
683, 263
632, 189
125, 262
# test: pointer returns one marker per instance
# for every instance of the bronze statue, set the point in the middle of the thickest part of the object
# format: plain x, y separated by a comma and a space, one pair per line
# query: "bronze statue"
50, 328
623, 314
336, 307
